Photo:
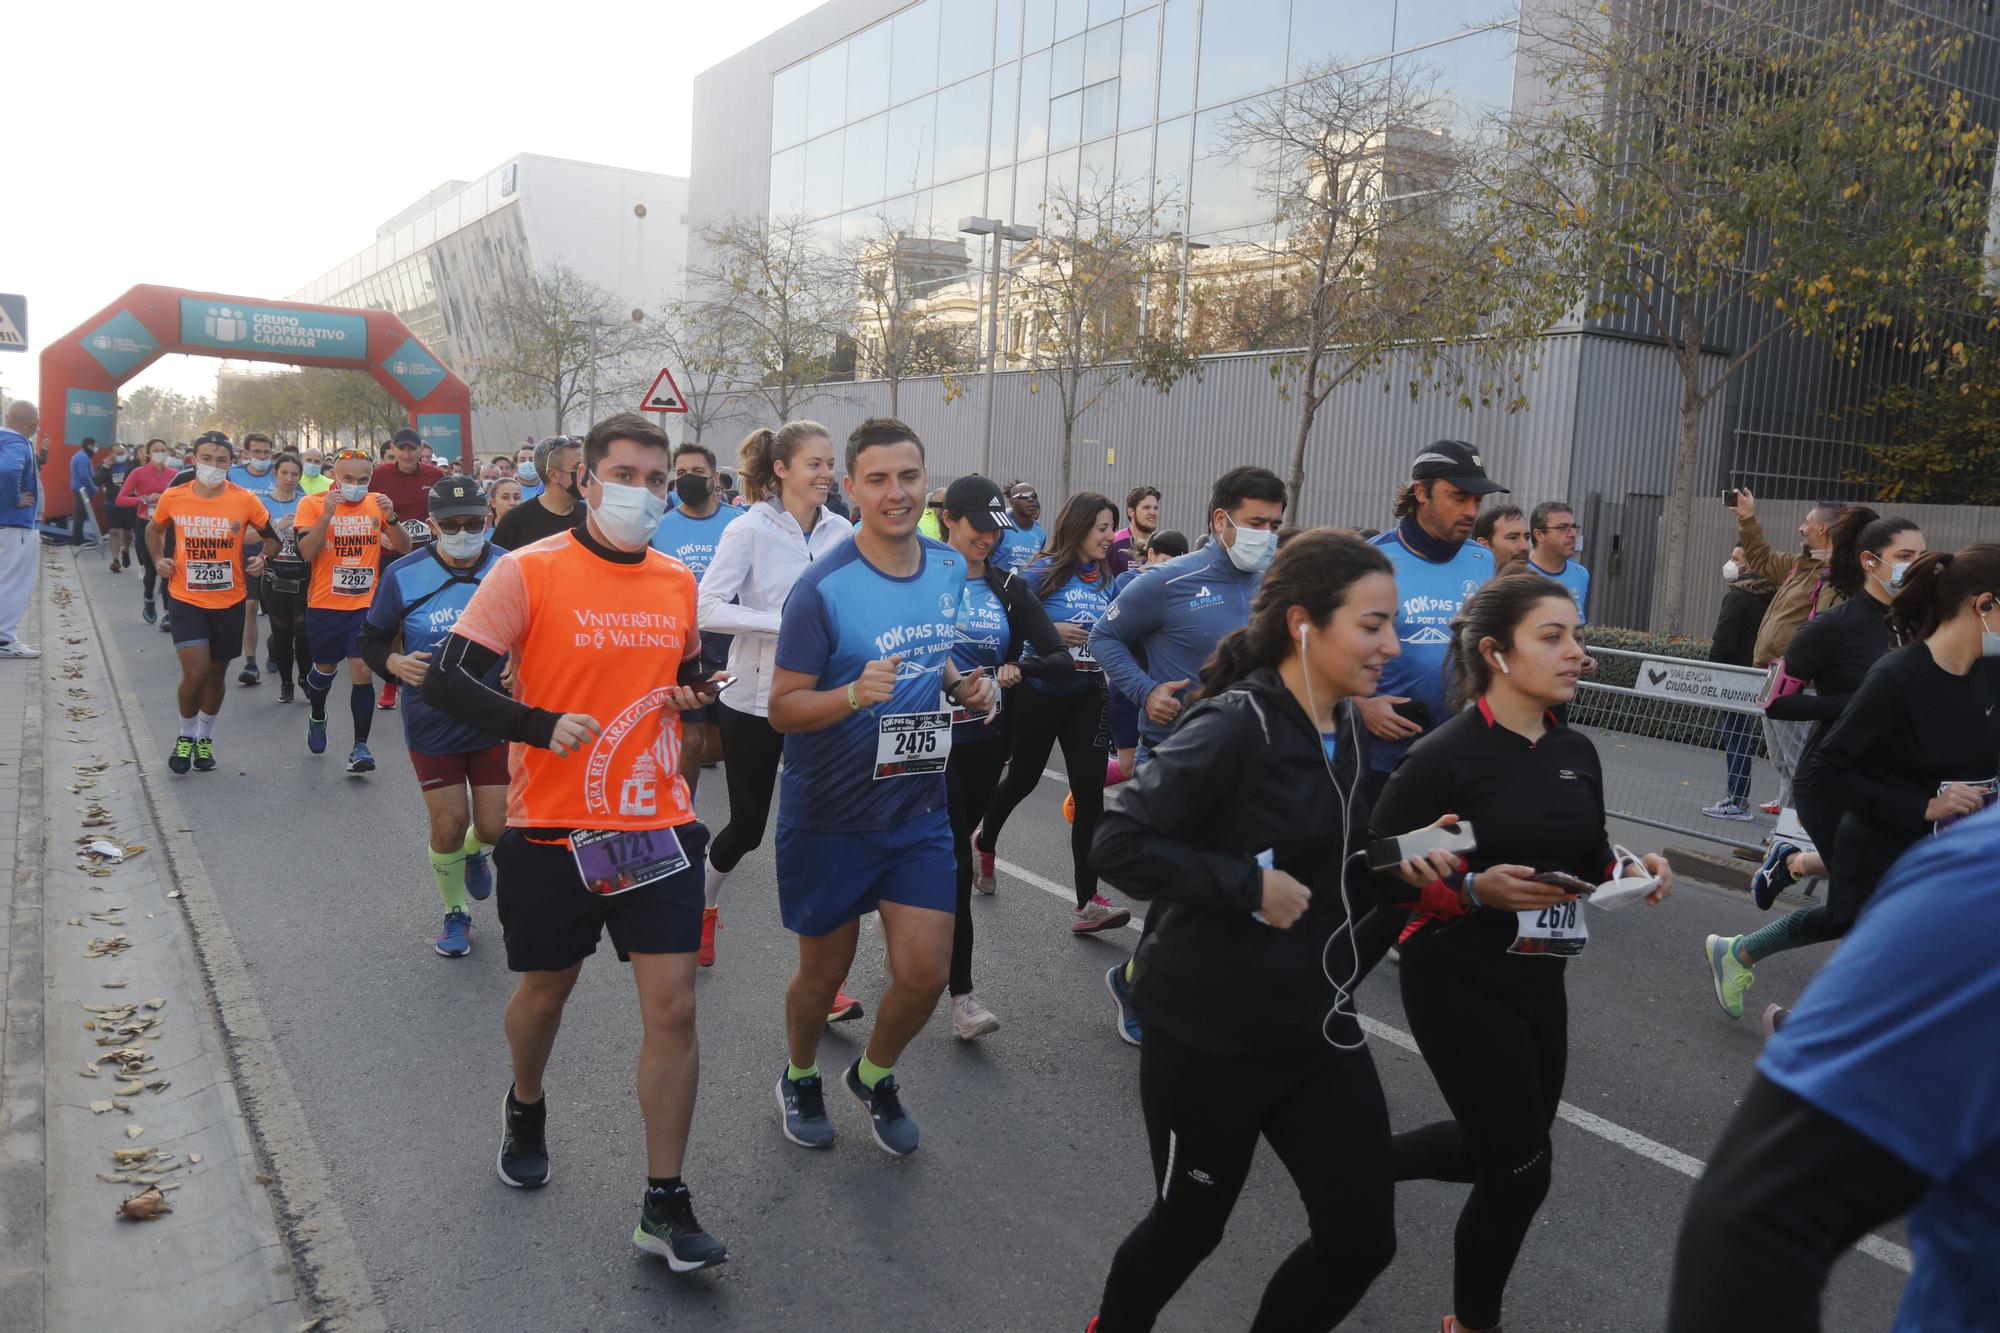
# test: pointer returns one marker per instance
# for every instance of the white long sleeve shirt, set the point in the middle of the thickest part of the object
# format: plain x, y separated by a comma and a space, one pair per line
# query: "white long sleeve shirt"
757, 560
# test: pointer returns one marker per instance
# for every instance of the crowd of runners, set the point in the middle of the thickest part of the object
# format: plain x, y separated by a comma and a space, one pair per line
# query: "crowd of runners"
1301, 750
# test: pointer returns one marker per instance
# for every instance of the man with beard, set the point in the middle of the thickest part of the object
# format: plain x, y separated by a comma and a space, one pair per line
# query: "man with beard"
1142, 520
554, 508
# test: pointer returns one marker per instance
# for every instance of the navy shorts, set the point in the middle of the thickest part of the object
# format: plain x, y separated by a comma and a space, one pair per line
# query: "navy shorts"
1124, 721
335, 636
827, 878
550, 921
221, 632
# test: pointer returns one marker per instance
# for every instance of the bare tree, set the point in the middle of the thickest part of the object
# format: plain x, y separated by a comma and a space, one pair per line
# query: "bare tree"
704, 345
908, 322
561, 339
783, 299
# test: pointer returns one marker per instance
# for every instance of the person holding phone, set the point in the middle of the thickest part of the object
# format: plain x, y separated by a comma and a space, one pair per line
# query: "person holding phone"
1482, 972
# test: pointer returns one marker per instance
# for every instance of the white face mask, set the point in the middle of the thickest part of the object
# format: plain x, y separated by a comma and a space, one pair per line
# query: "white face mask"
352, 492
1989, 642
1253, 548
159, 460
628, 515
1731, 571
461, 545
526, 473
210, 476
1897, 569
258, 466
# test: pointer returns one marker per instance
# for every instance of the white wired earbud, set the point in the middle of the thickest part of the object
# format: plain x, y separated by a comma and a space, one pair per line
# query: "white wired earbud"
1343, 992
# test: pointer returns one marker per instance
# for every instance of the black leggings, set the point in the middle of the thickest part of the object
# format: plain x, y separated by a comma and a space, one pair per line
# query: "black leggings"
145, 553
1323, 1115
1041, 722
286, 612
751, 749
969, 784
1494, 1029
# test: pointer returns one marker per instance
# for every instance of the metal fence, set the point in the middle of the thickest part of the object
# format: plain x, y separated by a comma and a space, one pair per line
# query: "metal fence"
1676, 734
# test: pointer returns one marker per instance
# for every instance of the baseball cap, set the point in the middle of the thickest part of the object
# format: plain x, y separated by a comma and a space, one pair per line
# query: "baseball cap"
1459, 463
405, 436
214, 437
979, 501
456, 496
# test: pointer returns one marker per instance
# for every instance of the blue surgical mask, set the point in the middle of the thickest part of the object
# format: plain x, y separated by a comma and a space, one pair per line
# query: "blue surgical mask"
629, 516
1989, 641
354, 492
526, 474
312, 469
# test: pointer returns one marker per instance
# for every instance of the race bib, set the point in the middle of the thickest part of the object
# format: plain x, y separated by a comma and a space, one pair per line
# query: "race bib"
211, 575
911, 744
353, 579
1083, 658
1559, 930
418, 529
960, 713
1989, 792
614, 861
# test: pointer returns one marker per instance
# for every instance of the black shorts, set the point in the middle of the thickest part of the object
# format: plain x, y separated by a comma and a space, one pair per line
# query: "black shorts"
118, 518
550, 921
197, 626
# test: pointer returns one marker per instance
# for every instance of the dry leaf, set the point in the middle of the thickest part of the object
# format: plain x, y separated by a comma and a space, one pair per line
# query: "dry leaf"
130, 1090
100, 1107
157, 1003
195, 1157
114, 1177
134, 1131
145, 1205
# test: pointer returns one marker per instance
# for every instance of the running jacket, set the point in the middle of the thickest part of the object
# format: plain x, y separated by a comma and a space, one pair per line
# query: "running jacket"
757, 560
1164, 626
17, 480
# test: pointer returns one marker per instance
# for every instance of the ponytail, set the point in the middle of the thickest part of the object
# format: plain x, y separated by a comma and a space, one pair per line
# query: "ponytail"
1312, 572
1843, 538
763, 449
1494, 612
1938, 584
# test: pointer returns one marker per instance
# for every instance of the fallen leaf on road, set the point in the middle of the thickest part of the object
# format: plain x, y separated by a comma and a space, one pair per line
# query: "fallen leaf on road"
195, 1157
134, 1131
126, 1156
130, 1090
112, 985
99, 1107
145, 1205
158, 1002
114, 1178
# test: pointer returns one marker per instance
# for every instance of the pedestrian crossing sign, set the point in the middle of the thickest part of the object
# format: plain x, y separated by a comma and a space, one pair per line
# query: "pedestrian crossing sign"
13, 323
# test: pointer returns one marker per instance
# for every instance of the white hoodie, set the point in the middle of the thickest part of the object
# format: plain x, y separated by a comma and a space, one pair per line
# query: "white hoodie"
757, 560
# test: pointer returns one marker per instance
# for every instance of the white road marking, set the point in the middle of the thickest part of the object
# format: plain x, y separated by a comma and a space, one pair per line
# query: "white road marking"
1890, 1253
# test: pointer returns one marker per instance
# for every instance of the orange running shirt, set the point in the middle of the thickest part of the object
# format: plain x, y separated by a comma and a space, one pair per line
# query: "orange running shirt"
347, 567
592, 636
208, 542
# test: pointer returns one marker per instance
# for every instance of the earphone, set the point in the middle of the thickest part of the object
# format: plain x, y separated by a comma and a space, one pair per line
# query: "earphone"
1343, 992
1501, 658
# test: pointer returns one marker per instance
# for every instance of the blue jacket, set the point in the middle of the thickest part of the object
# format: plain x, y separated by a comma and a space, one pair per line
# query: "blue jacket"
1163, 627
18, 479
81, 475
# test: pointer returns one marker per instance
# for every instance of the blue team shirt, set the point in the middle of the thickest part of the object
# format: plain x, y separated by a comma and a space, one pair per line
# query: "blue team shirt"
1431, 596
256, 485
530, 492
1896, 1038
278, 509
842, 614
1019, 546
1162, 626
420, 577
1080, 601
983, 633
692, 541
1574, 577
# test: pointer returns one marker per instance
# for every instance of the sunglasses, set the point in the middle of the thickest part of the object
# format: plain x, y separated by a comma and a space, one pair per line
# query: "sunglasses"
937, 505
345, 454
468, 523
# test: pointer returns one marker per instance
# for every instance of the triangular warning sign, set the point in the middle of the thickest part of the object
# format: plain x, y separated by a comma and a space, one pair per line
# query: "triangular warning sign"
13, 337
664, 396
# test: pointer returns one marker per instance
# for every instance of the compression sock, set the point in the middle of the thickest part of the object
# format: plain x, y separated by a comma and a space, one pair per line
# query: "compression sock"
204, 726
1790, 931
318, 684
190, 728
871, 1073
711, 889
473, 846
794, 1073
361, 703
449, 869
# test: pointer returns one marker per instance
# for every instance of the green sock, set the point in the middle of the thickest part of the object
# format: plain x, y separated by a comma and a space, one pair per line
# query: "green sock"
794, 1073
872, 1073
473, 846
1128, 970
449, 868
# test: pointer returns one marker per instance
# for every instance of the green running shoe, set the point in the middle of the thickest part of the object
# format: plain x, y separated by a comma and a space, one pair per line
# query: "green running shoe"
1732, 979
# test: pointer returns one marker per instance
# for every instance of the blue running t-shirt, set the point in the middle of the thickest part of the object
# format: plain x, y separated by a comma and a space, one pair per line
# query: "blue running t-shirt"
982, 636
258, 484
1430, 596
1574, 577
1082, 600
871, 770
1019, 546
692, 541
423, 599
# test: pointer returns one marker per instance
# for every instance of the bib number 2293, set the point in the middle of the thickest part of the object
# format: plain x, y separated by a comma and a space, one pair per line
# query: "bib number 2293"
1559, 930
909, 744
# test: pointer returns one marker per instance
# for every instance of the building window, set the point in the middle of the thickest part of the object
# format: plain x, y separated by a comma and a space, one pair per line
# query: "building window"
915, 62
1242, 51
868, 72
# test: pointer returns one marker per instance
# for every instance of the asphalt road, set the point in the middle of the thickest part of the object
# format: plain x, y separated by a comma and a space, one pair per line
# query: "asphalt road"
1033, 1163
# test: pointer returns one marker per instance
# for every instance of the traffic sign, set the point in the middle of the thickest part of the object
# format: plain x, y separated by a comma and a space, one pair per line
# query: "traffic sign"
664, 396
13, 323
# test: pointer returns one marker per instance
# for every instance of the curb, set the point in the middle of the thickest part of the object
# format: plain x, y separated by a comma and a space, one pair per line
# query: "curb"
23, 1048
325, 1263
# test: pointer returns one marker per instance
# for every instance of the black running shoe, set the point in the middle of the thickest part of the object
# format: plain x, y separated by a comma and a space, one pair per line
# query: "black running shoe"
204, 755
284, 691
802, 1103
182, 757
1775, 875
667, 1228
524, 1151
895, 1133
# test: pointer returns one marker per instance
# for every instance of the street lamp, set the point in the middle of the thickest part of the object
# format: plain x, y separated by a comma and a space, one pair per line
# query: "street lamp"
999, 231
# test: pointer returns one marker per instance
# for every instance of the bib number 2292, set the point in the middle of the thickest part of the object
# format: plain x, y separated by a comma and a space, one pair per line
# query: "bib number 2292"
353, 579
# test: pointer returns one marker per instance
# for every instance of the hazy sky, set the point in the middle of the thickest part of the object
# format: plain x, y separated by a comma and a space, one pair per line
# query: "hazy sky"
249, 147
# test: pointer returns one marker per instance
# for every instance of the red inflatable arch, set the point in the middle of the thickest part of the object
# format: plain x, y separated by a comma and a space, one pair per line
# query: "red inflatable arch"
81, 371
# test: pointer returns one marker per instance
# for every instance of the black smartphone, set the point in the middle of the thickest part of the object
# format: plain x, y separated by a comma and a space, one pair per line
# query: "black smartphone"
1568, 883
1729, 499
1414, 710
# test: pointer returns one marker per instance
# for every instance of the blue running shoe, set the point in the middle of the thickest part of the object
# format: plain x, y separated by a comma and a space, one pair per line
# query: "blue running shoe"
802, 1103
1121, 995
315, 734
1775, 875
149, 613
479, 876
455, 940
895, 1133
359, 760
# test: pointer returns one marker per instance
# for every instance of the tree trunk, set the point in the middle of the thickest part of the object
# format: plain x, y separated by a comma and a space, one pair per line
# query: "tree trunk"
1308, 409
1680, 509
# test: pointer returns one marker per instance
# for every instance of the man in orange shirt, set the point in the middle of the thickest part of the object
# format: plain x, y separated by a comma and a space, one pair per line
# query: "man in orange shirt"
601, 833
342, 531
206, 577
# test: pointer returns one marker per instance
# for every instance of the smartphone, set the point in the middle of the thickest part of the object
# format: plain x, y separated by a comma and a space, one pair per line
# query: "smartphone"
1729, 499
1414, 710
1388, 853
1566, 882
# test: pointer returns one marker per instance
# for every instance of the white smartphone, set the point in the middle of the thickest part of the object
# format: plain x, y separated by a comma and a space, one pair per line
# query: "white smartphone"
1388, 853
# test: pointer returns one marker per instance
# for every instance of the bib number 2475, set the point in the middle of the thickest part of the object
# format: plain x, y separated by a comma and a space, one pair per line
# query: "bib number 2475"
908, 744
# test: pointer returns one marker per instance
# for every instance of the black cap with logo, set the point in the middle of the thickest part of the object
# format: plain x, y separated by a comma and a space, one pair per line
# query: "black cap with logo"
1459, 463
406, 436
979, 501
215, 437
456, 496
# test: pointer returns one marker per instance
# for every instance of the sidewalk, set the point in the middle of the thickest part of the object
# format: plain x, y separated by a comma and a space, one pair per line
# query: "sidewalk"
111, 1048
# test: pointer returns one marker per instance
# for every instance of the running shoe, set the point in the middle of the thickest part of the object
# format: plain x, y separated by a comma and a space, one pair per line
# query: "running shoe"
670, 1231
524, 1146
895, 1133
1774, 1018
479, 876
181, 759
1069, 807
1098, 915
970, 1019
1775, 875
711, 921
845, 1008
1771, 808
15, 648
148, 612
387, 699
1121, 995
285, 695
249, 674
982, 869
1728, 808
359, 760
1731, 977
455, 940
802, 1106
204, 755
315, 733
271, 666
167, 625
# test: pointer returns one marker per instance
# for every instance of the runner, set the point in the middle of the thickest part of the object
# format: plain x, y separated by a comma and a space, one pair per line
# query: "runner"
254, 474
529, 461
342, 531
1160, 548
932, 523
863, 826
423, 595
283, 587
1240, 827
1073, 582
209, 518
503, 496
143, 487
1916, 746
1156, 636
1019, 547
1003, 628
1554, 529
689, 533
1142, 520
406, 479
315, 479
757, 560
112, 470
1482, 972
1503, 530
600, 833
550, 508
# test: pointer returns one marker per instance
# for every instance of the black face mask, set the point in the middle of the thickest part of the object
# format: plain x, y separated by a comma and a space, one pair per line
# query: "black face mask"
693, 489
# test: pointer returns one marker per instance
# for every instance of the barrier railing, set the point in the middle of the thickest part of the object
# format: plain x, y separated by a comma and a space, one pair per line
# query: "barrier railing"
1671, 732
